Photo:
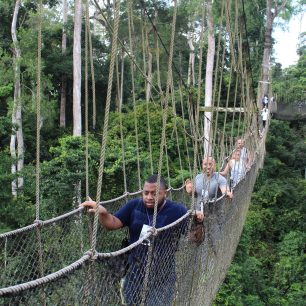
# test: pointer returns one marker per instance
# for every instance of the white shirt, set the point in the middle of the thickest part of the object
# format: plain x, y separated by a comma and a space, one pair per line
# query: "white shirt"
238, 170
244, 154
266, 100
264, 115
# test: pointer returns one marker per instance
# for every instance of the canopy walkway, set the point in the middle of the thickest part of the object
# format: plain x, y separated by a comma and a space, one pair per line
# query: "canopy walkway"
71, 260
294, 111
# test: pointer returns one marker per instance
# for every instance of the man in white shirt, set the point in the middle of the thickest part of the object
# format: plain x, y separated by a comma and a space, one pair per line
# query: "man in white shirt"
264, 116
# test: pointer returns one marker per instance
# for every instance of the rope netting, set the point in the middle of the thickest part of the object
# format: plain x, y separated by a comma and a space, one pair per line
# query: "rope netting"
71, 259
192, 272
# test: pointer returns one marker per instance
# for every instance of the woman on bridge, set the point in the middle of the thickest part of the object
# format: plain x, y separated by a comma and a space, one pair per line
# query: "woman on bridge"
237, 168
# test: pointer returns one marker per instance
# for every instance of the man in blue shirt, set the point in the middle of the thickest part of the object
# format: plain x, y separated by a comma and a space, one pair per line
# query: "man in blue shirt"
137, 215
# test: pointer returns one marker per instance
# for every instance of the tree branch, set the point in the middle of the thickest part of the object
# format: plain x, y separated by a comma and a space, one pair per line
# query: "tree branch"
279, 8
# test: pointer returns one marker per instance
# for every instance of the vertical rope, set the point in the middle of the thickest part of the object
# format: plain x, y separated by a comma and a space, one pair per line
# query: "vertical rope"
165, 105
5, 253
197, 115
235, 101
149, 136
234, 65
218, 101
227, 98
184, 127
161, 151
130, 24
38, 101
106, 122
176, 130
93, 81
216, 76
241, 85
117, 78
91, 273
38, 126
119, 97
229, 32
143, 30
87, 34
167, 163
38, 107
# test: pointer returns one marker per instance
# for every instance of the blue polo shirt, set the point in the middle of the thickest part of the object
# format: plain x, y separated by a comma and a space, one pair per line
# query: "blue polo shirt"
134, 214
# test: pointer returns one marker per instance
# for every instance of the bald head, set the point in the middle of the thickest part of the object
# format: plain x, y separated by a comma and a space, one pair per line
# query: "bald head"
208, 165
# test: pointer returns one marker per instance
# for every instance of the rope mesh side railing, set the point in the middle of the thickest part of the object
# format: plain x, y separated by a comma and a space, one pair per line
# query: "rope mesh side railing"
52, 285
60, 245
193, 272
61, 241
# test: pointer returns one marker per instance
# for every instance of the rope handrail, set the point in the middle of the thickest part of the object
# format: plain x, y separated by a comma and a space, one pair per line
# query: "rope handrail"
105, 202
126, 249
45, 279
19, 230
77, 210
161, 229
53, 276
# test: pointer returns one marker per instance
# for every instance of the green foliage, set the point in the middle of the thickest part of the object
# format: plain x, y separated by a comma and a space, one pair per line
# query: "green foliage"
5, 90
60, 175
5, 127
115, 157
289, 84
290, 267
6, 80
231, 291
63, 165
14, 213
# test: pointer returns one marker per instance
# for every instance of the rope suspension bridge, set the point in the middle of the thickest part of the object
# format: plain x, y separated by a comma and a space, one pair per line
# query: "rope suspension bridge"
71, 259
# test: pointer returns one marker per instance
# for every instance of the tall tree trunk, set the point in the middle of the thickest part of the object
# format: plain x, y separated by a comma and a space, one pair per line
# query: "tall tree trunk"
157, 63
148, 66
272, 10
64, 78
122, 78
191, 76
157, 52
77, 82
267, 49
149, 76
209, 79
17, 133
77, 77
